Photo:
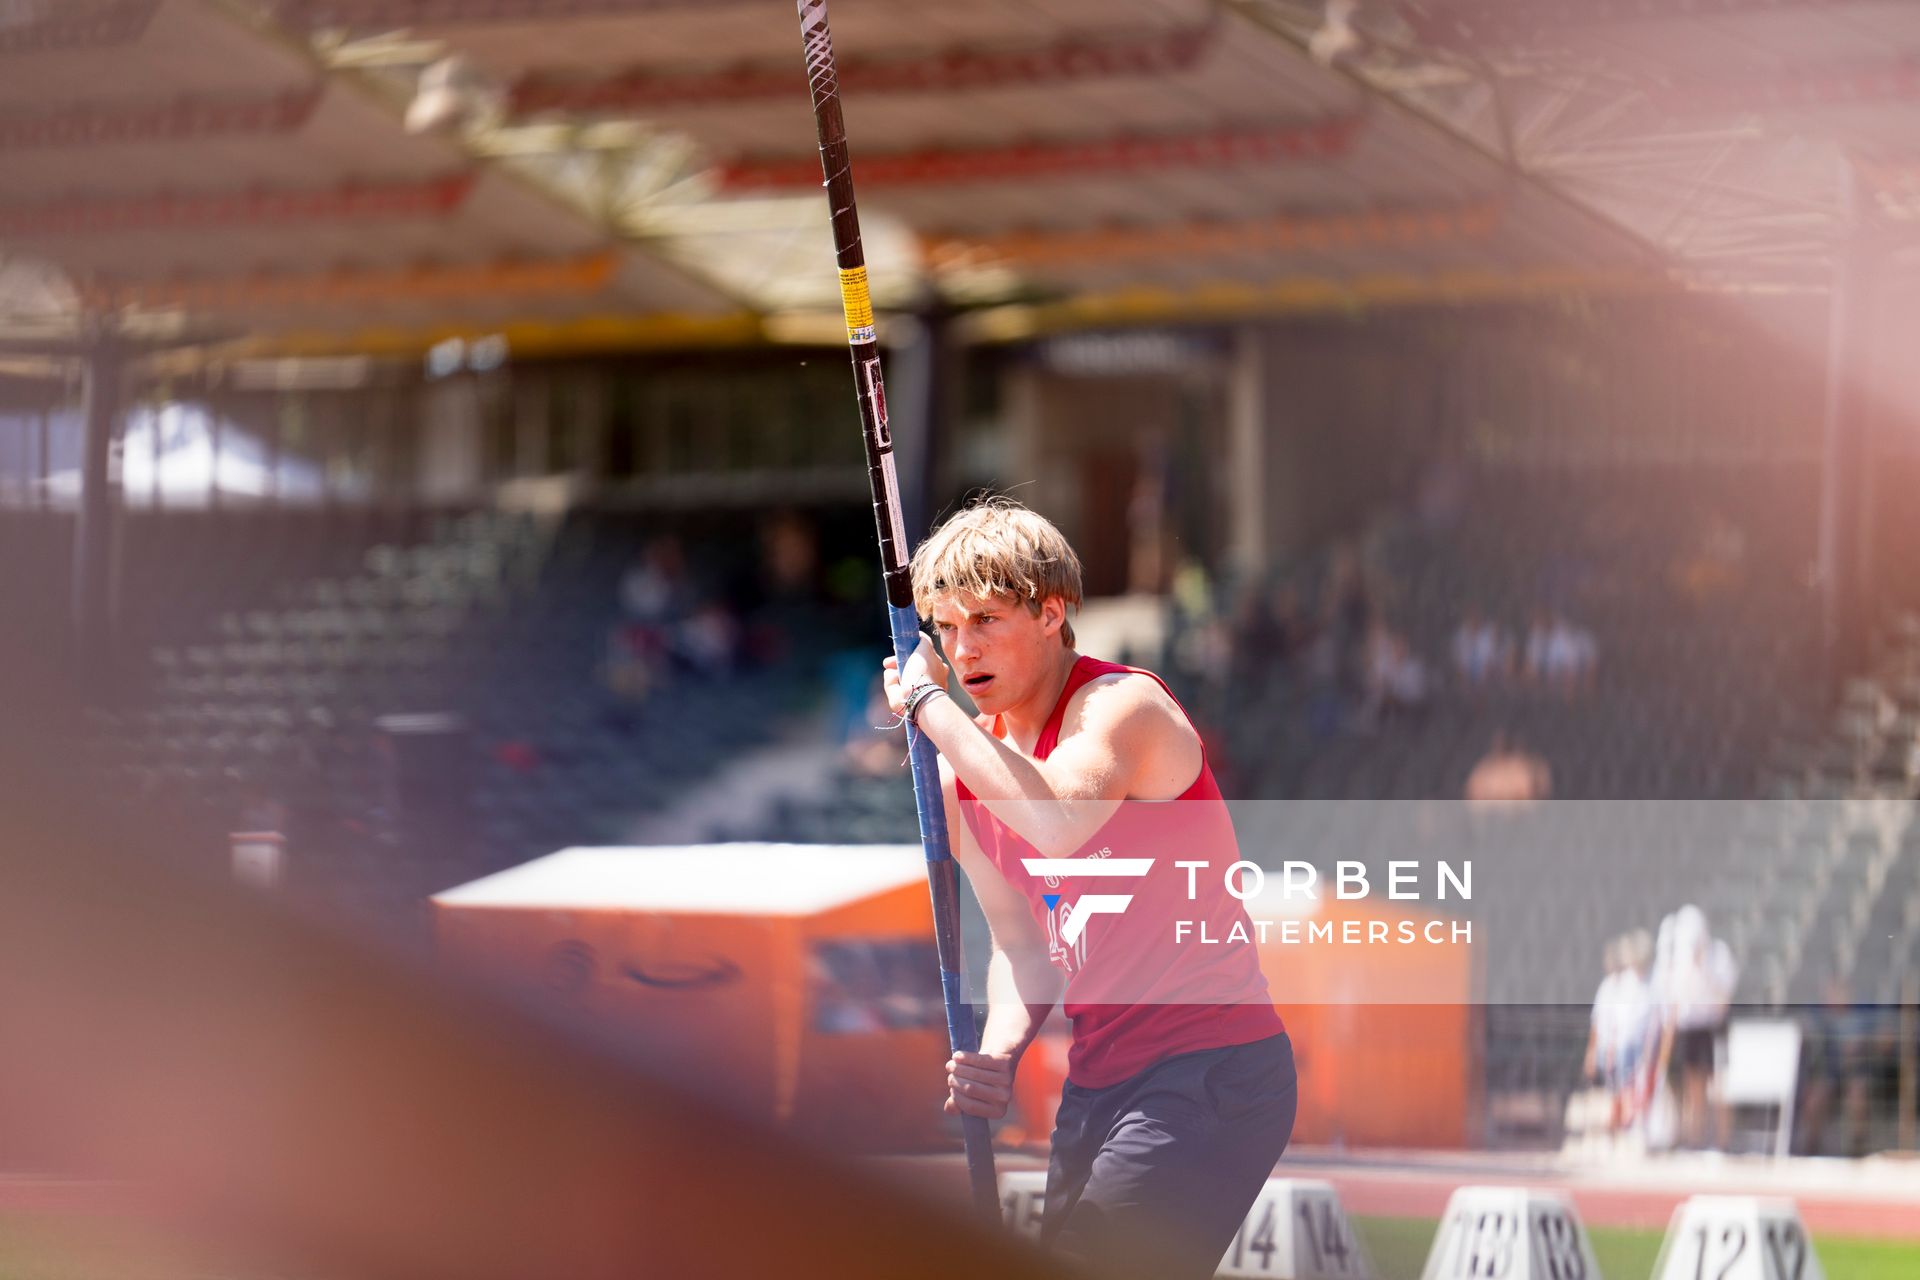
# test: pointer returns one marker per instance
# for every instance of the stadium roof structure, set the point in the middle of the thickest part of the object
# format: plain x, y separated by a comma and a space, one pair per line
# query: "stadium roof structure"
1749, 140
192, 174
1103, 158
626, 169
626, 172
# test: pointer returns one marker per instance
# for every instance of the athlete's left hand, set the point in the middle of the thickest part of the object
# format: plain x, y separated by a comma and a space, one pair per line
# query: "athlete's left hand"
979, 1084
923, 667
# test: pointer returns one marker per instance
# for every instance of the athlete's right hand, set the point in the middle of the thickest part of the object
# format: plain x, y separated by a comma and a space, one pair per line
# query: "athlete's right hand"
979, 1084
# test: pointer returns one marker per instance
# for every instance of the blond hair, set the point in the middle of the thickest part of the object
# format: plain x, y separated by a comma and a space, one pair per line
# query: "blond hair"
993, 547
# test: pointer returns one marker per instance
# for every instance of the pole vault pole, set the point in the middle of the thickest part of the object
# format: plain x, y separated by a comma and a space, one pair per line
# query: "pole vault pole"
942, 876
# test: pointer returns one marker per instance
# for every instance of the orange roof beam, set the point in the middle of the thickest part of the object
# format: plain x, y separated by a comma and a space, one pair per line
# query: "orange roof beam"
1078, 57
1323, 139
351, 202
581, 274
1300, 295
1384, 228
182, 119
390, 15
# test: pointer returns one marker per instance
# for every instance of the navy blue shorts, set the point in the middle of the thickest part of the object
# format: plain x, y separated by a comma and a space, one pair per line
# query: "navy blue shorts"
1152, 1176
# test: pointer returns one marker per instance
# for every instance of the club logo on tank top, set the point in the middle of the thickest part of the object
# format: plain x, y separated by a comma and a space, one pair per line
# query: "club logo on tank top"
1071, 957
1067, 921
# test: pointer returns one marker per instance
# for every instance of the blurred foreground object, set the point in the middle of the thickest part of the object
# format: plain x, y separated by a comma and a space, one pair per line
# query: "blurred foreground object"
267, 1084
797, 981
453, 94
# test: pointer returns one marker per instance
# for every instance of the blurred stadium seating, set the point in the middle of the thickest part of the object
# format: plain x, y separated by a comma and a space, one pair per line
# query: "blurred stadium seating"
264, 649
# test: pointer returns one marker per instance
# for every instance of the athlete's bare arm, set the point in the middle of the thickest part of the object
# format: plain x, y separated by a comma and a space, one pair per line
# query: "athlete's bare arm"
1123, 738
1022, 983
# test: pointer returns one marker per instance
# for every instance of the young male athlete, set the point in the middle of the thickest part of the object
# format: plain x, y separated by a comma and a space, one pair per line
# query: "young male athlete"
1180, 1090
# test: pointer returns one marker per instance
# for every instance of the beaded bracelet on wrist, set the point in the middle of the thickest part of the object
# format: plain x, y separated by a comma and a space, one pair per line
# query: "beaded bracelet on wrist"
917, 699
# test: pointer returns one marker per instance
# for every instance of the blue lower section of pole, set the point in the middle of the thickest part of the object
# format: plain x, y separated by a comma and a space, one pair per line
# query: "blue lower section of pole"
943, 883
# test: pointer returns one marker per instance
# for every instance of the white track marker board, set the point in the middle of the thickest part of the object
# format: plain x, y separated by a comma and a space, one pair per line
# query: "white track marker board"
1023, 1193
1737, 1238
1296, 1230
1510, 1233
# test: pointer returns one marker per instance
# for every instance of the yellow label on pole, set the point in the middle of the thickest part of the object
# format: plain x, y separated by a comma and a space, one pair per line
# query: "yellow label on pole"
858, 305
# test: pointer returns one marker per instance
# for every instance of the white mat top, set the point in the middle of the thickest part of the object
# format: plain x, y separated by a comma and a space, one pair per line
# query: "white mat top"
712, 879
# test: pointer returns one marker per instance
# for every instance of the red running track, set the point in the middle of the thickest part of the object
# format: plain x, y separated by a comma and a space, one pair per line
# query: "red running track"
1372, 1191
1419, 1194
1377, 1188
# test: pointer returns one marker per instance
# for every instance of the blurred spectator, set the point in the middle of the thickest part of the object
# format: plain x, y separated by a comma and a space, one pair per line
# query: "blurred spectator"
1482, 650
1851, 1051
1201, 641
1623, 1039
1265, 627
789, 556
672, 626
1407, 686
1442, 494
1288, 618
1633, 1032
654, 590
1508, 774
631, 668
1661, 1125
1193, 591
867, 988
1150, 541
1599, 1058
708, 642
1322, 670
1539, 635
1699, 983
1561, 654
1346, 612
849, 991
1715, 564
1395, 678
653, 598
790, 591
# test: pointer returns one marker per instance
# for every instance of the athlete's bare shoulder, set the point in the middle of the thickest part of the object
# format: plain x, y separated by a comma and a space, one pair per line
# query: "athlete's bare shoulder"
1141, 720
1130, 695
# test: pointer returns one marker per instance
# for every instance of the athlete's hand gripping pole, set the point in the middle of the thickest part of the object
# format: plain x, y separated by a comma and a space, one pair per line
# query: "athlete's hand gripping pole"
942, 876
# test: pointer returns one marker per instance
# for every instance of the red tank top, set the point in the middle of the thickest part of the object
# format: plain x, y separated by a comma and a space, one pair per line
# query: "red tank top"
1140, 988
